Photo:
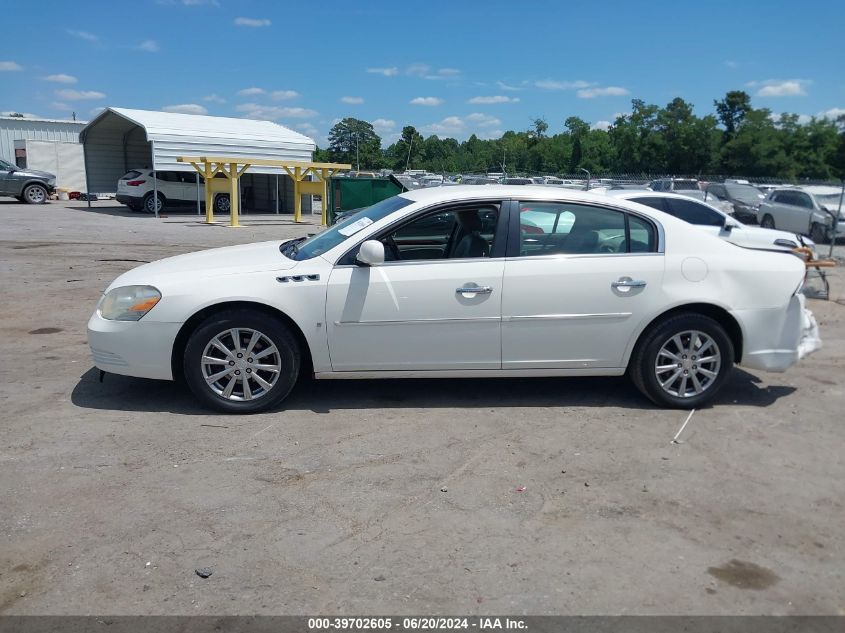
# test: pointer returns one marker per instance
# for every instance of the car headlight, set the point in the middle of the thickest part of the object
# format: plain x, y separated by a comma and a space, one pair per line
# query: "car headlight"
128, 303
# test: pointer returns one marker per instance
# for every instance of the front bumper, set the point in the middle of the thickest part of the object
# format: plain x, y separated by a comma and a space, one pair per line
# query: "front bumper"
774, 340
132, 348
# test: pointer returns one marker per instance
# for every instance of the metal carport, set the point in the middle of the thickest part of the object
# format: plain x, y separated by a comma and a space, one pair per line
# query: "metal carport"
120, 139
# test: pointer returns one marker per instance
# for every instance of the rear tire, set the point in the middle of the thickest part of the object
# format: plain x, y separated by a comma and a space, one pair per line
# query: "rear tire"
686, 375
149, 206
222, 203
818, 233
768, 222
35, 194
259, 379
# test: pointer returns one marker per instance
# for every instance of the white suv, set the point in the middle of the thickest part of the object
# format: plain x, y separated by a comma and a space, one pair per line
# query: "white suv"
175, 188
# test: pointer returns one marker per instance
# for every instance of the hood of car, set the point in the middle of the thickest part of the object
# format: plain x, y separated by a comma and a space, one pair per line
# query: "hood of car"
34, 173
230, 260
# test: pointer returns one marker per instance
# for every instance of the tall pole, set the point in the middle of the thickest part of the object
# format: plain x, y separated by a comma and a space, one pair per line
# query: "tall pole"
357, 163
197, 174
410, 145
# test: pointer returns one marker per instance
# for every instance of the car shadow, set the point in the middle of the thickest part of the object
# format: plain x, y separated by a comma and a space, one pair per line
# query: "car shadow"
121, 393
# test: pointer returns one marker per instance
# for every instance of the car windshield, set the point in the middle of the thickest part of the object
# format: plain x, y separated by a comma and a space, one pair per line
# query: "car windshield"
5, 166
744, 193
684, 185
829, 200
331, 237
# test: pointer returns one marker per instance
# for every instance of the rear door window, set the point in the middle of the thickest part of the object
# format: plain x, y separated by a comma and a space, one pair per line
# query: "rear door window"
694, 212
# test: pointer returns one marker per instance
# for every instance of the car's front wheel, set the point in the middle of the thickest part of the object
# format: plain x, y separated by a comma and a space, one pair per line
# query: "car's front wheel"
683, 361
35, 194
768, 222
241, 361
818, 233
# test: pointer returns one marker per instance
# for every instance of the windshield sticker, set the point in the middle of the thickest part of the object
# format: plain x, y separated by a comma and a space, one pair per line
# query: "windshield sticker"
356, 226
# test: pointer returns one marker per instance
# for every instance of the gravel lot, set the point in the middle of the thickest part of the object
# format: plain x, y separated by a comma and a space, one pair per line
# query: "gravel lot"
393, 496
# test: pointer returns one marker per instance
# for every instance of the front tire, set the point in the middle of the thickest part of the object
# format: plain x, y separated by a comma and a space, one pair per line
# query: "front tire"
818, 233
683, 361
35, 194
241, 361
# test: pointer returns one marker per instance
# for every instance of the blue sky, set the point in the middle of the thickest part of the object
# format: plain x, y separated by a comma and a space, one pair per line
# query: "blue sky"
448, 68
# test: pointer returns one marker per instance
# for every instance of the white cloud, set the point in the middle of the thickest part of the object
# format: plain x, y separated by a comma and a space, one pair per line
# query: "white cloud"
10, 66
833, 113
450, 126
79, 95
602, 125
149, 46
491, 134
426, 101
307, 129
384, 126
494, 99
284, 95
84, 35
609, 91
482, 120
448, 72
252, 22
781, 87
186, 108
352, 100
214, 98
58, 105
272, 113
61, 78
25, 115
418, 70
503, 86
553, 84
392, 71
247, 92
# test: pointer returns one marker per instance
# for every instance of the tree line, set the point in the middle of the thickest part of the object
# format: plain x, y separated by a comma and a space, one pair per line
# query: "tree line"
736, 139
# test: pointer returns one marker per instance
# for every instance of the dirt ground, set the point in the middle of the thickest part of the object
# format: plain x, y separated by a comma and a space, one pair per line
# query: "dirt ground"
391, 496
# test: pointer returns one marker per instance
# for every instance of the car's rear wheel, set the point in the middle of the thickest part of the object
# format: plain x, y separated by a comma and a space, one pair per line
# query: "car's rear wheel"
35, 194
683, 361
151, 202
818, 233
241, 361
222, 204
768, 222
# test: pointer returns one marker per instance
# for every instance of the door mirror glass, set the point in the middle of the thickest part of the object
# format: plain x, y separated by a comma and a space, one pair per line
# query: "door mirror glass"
371, 253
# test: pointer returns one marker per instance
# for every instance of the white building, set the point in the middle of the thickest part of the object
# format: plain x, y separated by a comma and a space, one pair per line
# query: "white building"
47, 144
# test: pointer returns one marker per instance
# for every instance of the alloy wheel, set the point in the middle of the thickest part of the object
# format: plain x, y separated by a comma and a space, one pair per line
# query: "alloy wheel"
241, 364
35, 195
687, 364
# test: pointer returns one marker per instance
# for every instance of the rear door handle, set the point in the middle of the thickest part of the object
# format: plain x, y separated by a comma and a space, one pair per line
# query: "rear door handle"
627, 282
475, 290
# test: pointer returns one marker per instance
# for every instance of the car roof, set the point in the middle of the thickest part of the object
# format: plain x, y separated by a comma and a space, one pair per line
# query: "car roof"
645, 193
519, 192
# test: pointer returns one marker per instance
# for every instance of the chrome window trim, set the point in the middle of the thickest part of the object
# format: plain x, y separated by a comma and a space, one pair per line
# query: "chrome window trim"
579, 256
418, 262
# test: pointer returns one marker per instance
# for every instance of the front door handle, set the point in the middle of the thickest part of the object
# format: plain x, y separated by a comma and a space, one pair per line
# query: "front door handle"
475, 290
627, 282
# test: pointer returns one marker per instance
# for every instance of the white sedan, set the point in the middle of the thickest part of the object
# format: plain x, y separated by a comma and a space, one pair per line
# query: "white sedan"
459, 282
716, 222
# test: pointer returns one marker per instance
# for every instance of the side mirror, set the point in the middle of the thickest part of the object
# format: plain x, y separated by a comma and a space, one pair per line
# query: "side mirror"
730, 225
371, 253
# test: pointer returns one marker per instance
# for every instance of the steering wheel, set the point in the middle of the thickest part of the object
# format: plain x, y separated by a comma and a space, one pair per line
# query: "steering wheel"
395, 255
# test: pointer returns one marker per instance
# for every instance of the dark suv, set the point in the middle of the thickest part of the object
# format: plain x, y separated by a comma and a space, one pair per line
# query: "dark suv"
27, 185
